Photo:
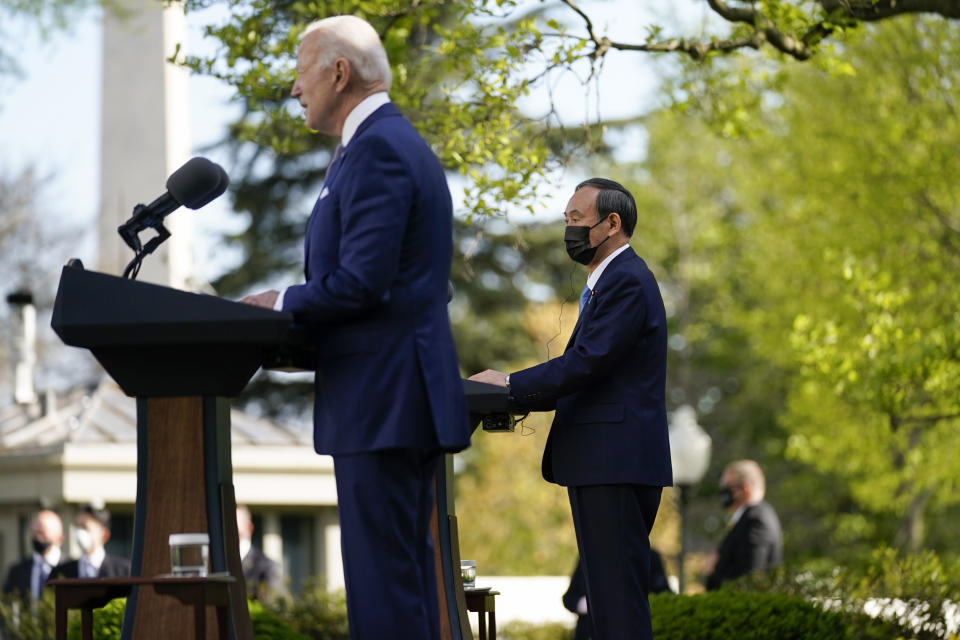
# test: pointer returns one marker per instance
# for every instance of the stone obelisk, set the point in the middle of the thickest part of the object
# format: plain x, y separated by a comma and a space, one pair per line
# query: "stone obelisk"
145, 135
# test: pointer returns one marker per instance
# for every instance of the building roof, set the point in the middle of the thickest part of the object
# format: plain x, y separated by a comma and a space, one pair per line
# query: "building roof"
105, 415
83, 445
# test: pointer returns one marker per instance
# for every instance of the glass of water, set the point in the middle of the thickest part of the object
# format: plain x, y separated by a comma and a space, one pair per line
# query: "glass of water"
468, 573
190, 554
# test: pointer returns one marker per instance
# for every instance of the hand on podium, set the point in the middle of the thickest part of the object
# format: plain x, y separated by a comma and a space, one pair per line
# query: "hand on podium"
264, 299
490, 376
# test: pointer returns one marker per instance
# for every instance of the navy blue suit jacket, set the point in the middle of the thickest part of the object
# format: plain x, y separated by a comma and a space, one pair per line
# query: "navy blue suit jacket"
755, 542
378, 249
608, 386
18, 577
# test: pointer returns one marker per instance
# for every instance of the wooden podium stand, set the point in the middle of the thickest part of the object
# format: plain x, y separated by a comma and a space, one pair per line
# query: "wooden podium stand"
182, 355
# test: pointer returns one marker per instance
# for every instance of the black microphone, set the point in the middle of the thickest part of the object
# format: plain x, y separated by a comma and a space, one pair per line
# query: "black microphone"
193, 185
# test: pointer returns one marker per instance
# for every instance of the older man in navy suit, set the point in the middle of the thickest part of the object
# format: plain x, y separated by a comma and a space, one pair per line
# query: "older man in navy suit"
389, 398
608, 444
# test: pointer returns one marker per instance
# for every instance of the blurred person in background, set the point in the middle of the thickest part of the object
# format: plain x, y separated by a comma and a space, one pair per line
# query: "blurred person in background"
28, 576
93, 531
261, 574
754, 538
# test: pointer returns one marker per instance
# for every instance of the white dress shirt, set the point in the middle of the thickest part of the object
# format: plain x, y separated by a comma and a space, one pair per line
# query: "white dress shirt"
595, 275
89, 566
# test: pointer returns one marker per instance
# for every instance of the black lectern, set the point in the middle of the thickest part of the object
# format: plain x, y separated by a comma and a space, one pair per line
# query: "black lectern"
182, 355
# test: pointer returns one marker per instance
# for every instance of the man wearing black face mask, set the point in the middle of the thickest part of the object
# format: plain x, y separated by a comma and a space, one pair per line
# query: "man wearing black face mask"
754, 539
608, 444
28, 576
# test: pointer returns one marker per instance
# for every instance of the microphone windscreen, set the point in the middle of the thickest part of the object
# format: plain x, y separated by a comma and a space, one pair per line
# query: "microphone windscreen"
197, 182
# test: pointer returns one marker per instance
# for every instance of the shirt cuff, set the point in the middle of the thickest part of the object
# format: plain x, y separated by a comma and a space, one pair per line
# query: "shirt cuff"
278, 305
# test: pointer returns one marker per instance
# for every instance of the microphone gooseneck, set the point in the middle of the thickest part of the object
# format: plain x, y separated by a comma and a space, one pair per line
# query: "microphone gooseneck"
193, 185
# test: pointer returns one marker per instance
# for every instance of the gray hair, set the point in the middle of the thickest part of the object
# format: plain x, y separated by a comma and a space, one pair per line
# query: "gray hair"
748, 472
356, 40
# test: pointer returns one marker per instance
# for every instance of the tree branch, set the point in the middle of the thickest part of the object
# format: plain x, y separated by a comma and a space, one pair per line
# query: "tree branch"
765, 32
733, 14
873, 10
934, 418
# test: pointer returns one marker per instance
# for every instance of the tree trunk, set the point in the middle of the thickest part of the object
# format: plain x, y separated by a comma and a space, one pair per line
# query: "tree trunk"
912, 531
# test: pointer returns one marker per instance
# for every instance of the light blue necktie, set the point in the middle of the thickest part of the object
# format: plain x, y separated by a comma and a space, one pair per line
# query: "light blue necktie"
585, 297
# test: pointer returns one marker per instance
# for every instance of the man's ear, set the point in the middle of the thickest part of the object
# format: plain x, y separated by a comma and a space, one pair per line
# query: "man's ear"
341, 68
616, 224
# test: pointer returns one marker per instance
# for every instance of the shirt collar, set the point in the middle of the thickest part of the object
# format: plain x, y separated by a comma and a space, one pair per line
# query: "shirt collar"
360, 113
595, 276
740, 511
245, 544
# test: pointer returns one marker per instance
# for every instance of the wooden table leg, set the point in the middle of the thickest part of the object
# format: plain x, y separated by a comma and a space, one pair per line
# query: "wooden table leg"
483, 624
493, 625
60, 622
200, 621
223, 621
86, 622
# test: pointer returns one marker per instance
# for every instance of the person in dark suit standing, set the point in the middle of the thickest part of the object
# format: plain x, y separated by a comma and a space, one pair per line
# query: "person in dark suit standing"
93, 531
754, 538
608, 443
260, 573
28, 576
389, 399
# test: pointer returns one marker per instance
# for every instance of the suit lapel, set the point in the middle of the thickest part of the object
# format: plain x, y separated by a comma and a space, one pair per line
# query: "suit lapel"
597, 293
329, 181
582, 318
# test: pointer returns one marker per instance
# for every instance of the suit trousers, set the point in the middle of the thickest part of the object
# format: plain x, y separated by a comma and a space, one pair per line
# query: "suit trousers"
385, 499
613, 524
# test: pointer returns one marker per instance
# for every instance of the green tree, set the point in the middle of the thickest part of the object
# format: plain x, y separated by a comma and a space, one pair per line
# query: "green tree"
854, 228
806, 272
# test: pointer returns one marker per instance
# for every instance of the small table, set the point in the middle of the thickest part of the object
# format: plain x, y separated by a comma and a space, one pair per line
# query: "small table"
88, 594
483, 601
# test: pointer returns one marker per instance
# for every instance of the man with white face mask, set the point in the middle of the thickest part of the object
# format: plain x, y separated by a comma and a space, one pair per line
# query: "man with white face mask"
93, 531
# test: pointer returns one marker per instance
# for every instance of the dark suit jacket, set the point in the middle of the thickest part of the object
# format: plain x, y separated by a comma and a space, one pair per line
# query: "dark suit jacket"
261, 574
754, 542
112, 567
378, 250
607, 387
18, 577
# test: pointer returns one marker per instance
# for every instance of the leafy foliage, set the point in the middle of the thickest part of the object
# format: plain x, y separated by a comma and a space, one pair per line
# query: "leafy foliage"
315, 613
756, 616
915, 592
108, 623
21, 619
455, 77
862, 294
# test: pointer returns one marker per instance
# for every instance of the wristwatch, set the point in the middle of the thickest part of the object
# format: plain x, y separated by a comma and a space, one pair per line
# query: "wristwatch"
506, 382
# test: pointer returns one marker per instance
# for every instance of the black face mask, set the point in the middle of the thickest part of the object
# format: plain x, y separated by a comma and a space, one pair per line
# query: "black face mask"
726, 496
577, 240
41, 546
